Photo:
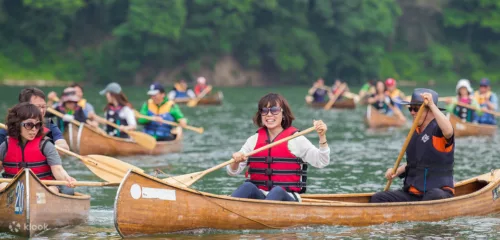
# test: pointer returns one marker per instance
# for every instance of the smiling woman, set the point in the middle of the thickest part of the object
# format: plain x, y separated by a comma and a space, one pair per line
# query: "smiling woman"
281, 172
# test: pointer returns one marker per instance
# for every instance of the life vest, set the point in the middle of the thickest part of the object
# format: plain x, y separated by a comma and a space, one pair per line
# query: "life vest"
157, 129
382, 106
62, 124
180, 91
482, 98
427, 167
319, 95
277, 166
30, 156
395, 94
82, 103
113, 115
199, 88
464, 113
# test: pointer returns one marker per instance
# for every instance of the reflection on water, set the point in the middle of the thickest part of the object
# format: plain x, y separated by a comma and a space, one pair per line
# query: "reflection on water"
359, 157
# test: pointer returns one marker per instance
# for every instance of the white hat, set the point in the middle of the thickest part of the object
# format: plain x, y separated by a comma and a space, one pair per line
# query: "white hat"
464, 83
201, 80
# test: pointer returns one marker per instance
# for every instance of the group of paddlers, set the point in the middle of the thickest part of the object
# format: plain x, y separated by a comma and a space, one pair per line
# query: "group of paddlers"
34, 129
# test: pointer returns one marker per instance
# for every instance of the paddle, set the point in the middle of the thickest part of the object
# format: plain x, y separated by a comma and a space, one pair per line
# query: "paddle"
194, 102
330, 103
107, 168
78, 183
196, 129
405, 145
145, 140
188, 179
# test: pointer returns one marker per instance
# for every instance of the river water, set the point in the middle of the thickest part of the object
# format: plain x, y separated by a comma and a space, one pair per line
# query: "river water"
359, 157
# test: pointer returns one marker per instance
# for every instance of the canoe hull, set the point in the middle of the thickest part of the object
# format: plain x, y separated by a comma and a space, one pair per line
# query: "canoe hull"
86, 141
27, 207
212, 99
345, 103
375, 119
465, 129
147, 206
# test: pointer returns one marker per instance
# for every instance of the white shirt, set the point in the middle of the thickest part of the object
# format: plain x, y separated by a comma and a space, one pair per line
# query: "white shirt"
299, 146
128, 114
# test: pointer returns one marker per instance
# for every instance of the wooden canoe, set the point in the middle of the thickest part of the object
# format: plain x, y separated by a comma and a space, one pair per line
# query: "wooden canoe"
86, 141
375, 119
145, 205
211, 99
27, 207
345, 103
464, 129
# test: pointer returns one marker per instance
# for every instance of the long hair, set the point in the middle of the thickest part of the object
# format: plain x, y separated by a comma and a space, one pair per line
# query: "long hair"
274, 99
120, 98
18, 114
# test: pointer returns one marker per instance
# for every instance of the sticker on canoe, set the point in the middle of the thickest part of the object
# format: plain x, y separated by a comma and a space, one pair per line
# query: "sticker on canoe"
496, 193
163, 194
40, 198
10, 197
459, 126
18, 209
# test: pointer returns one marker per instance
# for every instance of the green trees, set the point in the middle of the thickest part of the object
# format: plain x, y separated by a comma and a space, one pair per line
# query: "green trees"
294, 41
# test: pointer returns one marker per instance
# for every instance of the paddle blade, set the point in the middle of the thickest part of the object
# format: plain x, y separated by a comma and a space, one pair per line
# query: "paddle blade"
192, 103
107, 168
145, 140
184, 180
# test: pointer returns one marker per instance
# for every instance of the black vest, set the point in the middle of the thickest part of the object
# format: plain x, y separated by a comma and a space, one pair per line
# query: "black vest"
113, 115
427, 167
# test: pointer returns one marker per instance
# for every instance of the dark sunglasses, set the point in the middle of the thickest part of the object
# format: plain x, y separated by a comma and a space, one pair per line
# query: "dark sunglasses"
414, 108
30, 125
274, 110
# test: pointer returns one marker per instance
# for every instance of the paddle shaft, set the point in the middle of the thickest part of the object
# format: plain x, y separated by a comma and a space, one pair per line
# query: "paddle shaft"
196, 129
57, 113
78, 183
335, 97
203, 93
405, 145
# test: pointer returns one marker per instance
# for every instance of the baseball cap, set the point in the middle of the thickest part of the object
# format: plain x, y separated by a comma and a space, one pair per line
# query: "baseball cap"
112, 87
484, 82
69, 95
390, 82
155, 88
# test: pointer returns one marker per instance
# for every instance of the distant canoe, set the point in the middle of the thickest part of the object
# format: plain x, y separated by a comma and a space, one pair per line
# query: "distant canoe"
464, 129
85, 141
211, 99
145, 205
375, 119
345, 103
28, 207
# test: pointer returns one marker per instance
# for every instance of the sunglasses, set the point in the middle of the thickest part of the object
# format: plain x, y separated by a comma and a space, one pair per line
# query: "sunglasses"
274, 110
30, 125
414, 108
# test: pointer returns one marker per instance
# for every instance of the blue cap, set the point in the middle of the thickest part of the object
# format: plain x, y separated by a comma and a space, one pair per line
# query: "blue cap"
484, 82
155, 88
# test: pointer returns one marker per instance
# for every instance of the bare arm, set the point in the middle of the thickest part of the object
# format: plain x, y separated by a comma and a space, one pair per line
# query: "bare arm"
441, 120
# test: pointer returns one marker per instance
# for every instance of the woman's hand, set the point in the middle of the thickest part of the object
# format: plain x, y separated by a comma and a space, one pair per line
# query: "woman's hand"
239, 157
321, 127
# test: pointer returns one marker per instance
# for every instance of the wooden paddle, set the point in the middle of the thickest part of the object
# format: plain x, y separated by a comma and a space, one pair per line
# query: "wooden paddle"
194, 102
143, 139
330, 103
78, 183
107, 168
188, 179
405, 145
196, 129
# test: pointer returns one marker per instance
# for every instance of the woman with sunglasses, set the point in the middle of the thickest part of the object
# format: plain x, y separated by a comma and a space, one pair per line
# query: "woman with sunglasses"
26, 144
381, 101
279, 173
118, 111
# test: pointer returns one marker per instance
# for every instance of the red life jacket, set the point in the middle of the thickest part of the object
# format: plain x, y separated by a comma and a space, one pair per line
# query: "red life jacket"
16, 158
277, 166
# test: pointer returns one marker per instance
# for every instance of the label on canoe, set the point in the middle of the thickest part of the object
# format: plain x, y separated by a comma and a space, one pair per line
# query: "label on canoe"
496, 193
40, 198
19, 206
145, 192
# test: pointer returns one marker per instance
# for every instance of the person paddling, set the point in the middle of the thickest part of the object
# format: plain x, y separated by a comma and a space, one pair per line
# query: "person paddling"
318, 92
68, 106
279, 173
118, 110
464, 95
160, 108
181, 91
200, 86
393, 91
383, 103
36, 97
428, 174
488, 100
27, 147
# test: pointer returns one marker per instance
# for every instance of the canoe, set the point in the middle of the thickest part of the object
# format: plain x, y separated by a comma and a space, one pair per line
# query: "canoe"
375, 119
27, 207
86, 141
145, 205
211, 99
345, 103
464, 129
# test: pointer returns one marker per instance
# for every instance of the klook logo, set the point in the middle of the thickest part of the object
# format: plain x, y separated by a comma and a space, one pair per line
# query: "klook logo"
15, 227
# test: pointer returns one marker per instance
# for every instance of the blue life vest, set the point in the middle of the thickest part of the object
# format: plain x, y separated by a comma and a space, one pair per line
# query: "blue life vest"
319, 95
157, 129
427, 167
485, 118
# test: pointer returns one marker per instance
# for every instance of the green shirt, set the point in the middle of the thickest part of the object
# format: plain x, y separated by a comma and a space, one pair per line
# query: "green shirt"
175, 111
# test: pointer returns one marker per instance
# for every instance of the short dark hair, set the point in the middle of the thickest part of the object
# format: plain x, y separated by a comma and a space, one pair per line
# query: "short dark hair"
26, 94
77, 85
18, 114
274, 99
